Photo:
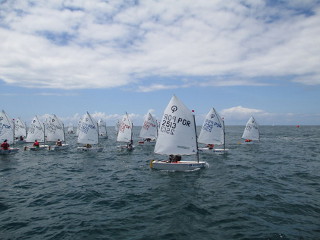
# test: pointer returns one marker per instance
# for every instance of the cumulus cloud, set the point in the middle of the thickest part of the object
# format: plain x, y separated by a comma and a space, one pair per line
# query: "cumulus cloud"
99, 44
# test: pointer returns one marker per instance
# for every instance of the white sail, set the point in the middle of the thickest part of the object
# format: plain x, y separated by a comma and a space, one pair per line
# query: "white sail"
102, 128
20, 128
88, 132
177, 130
36, 131
251, 130
54, 129
125, 129
149, 128
70, 129
212, 131
6, 128
78, 126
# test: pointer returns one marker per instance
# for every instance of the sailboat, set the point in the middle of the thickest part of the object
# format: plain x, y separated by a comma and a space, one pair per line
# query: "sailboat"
102, 129
36, 132
88, 134
6, 133
149, 130
55, 133
70, 129
177, 136
125, 133
20, 130
212, 133
251, 131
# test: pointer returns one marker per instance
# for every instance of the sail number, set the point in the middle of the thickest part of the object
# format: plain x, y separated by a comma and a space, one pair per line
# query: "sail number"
169, 123
209, 124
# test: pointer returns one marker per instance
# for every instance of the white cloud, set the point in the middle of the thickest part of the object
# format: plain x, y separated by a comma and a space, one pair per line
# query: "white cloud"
98, 44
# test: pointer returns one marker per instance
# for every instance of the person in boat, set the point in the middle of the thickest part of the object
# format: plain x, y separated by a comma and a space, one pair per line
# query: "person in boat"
59, 143
210, 146
148, 139
174, 158
248, 140
5, 145
88, 145
36, 144
129, 146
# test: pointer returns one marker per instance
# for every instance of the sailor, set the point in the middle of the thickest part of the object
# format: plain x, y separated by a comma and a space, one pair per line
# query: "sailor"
210, 146
36, 144
59, 143
5, 145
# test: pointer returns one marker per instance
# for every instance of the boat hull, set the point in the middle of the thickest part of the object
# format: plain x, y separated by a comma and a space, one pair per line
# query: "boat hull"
58, 148
178, 166
9, 151
92, 149
214, 150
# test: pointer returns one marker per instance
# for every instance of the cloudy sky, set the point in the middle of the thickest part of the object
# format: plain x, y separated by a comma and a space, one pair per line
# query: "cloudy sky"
108, 57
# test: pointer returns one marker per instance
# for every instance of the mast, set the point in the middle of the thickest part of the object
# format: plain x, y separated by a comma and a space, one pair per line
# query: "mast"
224, 135
195, 130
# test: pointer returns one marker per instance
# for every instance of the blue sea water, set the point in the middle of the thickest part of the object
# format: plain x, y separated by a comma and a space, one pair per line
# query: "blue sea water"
268, 190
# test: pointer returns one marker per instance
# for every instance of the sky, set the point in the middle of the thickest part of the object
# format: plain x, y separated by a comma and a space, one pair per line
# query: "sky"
108, 57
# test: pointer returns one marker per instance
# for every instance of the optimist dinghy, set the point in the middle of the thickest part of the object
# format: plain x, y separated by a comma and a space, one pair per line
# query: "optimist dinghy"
177, 137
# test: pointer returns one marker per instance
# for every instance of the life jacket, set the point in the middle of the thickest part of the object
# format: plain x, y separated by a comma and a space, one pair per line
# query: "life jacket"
5, 146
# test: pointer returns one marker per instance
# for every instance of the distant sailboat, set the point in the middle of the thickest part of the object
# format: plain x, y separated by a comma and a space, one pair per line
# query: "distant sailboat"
20, 132
212, 133
177, 136
36, 132
102, 129
6, 134
125, 133
55, 133
70, 129
149, 130
88, 134
251, 131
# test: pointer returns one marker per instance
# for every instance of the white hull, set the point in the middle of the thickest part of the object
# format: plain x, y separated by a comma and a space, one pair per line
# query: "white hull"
41, 147
214, 150
58, 148
125, 147
9, 151
92, 149
150, 143
178, 166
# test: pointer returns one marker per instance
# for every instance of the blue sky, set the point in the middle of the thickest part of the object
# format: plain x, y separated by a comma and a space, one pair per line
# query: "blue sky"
243, 58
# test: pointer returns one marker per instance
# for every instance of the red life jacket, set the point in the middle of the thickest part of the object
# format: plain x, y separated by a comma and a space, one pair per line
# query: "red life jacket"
5, 146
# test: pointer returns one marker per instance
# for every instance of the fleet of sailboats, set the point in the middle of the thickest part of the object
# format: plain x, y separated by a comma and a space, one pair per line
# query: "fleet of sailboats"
175, 137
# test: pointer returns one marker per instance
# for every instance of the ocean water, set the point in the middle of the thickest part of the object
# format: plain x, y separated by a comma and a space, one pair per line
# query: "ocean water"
268, 190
